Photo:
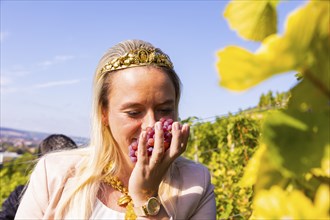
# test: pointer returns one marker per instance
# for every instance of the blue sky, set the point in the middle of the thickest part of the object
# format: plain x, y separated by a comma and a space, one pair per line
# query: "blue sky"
50, 49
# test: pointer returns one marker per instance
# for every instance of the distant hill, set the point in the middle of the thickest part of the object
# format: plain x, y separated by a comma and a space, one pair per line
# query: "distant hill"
15, 133
11, 133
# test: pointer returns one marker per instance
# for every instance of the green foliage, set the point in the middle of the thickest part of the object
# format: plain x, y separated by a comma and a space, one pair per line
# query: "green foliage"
280, 100
15, 173
307, 31
290, 169
225, 147
261, 16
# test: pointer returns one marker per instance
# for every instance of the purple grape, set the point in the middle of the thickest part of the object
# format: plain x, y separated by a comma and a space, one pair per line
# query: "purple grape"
167, 128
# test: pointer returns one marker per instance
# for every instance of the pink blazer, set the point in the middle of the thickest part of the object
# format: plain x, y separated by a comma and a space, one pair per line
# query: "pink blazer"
191, 194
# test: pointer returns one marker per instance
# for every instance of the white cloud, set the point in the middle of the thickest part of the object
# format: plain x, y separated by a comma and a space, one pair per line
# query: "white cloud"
46, 63
64, 57
57, 83
4, 80
3, 35
9, 78
6, 85
56, 59
7, 90
18, 73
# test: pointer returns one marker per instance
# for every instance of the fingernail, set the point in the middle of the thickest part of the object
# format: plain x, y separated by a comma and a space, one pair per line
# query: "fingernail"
143, 135
158, 126
175, 126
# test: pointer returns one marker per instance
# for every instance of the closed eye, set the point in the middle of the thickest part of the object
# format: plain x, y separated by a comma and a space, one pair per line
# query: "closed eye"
166, 111
133, 113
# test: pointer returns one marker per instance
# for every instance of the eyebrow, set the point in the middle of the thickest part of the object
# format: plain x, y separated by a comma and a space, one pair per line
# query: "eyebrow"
136, 104
167, 102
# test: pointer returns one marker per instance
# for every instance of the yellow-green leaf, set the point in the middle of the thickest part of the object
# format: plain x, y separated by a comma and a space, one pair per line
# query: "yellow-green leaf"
322, 199
253, 20
240, 69
307, 23
277, 203
311, 137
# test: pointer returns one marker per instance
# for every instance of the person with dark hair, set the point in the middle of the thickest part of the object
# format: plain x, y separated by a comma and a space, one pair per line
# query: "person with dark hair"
53, 142
10, 205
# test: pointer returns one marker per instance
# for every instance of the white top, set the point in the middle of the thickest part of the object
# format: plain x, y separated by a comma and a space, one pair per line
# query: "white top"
101, 211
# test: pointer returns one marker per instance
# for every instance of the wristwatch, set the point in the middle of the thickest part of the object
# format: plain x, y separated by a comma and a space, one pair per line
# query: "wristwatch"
151, 207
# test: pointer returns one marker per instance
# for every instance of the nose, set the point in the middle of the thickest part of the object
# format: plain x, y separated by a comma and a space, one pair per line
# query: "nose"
149, 120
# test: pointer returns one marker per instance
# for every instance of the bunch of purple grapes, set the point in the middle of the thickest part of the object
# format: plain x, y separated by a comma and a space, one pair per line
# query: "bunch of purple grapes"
167, 128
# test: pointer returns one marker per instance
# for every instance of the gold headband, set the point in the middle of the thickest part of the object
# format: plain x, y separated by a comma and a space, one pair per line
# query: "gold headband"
139, 57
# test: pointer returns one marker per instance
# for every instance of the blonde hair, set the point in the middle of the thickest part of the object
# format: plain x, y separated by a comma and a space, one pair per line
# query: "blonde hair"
78, 202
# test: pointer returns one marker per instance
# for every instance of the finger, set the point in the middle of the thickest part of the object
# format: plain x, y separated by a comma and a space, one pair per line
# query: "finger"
175, 149
185, 136
142, 149
158, 151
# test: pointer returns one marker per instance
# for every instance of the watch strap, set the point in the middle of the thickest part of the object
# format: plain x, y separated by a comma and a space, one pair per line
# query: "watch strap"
143, 210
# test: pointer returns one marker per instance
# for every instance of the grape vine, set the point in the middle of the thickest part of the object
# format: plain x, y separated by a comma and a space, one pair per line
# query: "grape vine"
225, 146
289, 171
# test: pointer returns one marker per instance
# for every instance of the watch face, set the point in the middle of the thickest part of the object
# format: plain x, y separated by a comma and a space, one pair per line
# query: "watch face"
153, 206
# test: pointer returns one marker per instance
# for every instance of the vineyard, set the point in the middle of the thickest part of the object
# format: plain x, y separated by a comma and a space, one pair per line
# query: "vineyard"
15, 173
225, 147
289, 171
265, 164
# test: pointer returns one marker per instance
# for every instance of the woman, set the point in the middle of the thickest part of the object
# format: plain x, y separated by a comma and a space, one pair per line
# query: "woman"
135, 86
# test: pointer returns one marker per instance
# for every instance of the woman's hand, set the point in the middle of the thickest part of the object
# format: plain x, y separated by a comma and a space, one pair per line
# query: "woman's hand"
149, 171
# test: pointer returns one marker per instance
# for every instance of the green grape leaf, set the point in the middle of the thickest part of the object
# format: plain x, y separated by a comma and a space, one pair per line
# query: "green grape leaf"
253, 20
325, 163
307, 23
306, 97
264, 170
322, 199
318, 72
240, 69
278, 203
299, 138
228, 211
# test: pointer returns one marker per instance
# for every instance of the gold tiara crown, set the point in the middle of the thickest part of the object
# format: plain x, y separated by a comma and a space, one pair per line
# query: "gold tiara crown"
139, 57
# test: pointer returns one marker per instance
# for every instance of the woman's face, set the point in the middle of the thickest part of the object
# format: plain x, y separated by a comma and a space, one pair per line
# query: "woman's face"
139, 97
